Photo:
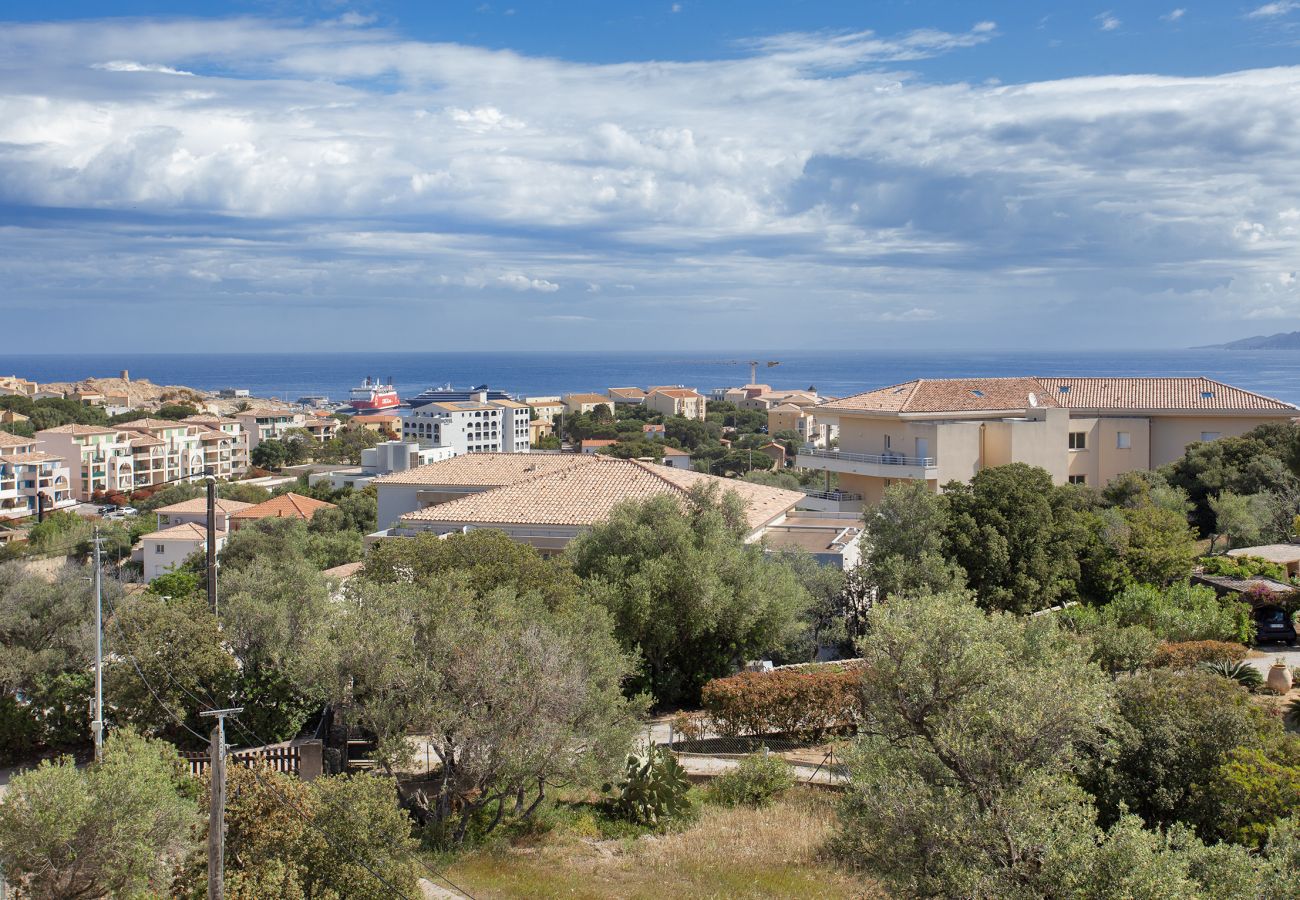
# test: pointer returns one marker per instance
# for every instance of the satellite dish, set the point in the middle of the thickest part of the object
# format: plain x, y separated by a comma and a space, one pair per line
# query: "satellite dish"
1033, 400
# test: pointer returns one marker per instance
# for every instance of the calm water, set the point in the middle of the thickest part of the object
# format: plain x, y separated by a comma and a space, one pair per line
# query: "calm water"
1276, 374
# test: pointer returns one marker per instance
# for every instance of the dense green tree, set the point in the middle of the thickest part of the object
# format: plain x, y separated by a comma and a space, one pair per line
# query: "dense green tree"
686, 591
1240, 521
1251, 791
826, 619
1017, 537
690, 433
111, 830
1174, 731
1239, 465
1161, 548
347, 444
166, 660
176, 411
961, 781
286, 540
514, 694
269, 454
783, 480
904, 548
487, 559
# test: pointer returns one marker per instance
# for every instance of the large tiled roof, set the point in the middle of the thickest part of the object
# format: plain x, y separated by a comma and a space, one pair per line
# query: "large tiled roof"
483, 469
633, 392
942, 395
285, 506
78, 430
201, 419
200, 505
36, 456
586, 398
1155, 393
185, 532
146, 424
587, 492
13, 440
677, 393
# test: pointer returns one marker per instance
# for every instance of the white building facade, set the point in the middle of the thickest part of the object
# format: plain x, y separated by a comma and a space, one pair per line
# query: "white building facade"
478, 425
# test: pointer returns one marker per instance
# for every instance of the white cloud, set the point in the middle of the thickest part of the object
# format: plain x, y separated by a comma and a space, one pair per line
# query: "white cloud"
124, 65
517, 281
1174, 15
1107, 21
1273, 10
313, 164
676, 7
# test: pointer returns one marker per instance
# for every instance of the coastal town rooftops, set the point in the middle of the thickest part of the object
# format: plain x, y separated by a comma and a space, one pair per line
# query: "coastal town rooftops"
201, 419
146, 440
199, 506
151, 424
13, 440
627, 393
926, 395
285, 506
678, 393
185, 532
598, 442
483, 469
587, 492
454, 406
78, 430
673, 451
586, 398
35, 456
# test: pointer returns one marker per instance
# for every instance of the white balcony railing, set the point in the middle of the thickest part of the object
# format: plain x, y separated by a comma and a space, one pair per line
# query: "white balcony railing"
875, 459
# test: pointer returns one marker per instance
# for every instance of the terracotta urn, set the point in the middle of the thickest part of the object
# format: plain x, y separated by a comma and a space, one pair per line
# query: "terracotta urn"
1279, 677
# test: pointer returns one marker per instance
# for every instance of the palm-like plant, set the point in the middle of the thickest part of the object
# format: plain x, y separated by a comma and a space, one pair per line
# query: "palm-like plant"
1243, 673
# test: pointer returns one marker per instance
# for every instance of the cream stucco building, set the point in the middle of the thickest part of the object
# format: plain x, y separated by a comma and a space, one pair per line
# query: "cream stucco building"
1081, 430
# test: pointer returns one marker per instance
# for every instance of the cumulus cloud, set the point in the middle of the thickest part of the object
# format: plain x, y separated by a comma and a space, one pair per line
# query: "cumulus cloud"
307, 165
1273, 10
1174, 15
1107, 21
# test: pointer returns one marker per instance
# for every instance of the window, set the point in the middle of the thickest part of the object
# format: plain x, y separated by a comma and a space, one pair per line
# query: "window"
1078, 440
886, 442
1209, 435
1078, 479
1123, 440
159, 548
1207, 395
1063, 389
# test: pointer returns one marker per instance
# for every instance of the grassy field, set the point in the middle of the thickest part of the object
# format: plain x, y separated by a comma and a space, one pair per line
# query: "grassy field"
772, 852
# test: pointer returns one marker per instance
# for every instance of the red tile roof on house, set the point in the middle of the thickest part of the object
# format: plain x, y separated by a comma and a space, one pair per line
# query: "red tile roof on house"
187, 531
926, 395
678, 393
484, 469
285, 506
13, 440
587, 492
199, 505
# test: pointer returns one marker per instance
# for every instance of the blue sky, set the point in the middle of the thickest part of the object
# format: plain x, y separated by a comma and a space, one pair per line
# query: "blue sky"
284, 175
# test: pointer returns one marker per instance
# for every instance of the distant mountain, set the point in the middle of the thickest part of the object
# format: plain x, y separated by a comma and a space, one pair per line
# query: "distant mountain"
1282, 341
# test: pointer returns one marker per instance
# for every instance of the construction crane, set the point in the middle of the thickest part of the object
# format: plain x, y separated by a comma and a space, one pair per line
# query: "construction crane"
753, 368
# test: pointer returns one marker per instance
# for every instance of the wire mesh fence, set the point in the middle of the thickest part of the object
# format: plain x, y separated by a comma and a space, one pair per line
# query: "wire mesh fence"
702, 752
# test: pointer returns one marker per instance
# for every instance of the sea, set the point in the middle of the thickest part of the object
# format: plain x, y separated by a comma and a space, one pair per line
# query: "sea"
288, 376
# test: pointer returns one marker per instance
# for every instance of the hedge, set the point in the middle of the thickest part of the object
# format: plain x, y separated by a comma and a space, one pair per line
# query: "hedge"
1188, 654
803, 704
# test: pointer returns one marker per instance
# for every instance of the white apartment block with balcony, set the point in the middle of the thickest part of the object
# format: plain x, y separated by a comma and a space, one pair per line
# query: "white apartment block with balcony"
478, 425
1081, 430
238, 449
264, 424
31, 480
98, 458
165, 451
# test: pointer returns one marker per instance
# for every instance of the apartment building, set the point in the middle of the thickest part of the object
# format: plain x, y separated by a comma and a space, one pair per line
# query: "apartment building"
238, 445
546, 408
165, 550
803, 419
627, 396
1081, 430
684, 402
264, 424
574, 404
381, 459
13, 386
99, 458
31, 480
163, 450
477, 425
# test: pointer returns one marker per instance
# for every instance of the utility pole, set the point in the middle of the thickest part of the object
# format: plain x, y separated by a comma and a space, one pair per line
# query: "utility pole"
97, 723
217, 803
212, 540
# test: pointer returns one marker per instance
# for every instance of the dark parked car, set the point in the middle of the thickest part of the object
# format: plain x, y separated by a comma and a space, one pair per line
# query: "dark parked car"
1273, 624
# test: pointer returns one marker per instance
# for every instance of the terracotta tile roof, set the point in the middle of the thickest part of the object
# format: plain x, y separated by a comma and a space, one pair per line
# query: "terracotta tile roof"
374, 417
1155, 393
35, 456
184, 532
950, 395
148, 424
13, 440
598, 442
78, 430
634, 393
210, 420
587, 492
677, 393
264, 413
345, 571
673, 451
585, 398
510, 404
285, 506
653, 427
484, 469
999, 394
459, 405
146, 440
200, 505
211, 434
787, 407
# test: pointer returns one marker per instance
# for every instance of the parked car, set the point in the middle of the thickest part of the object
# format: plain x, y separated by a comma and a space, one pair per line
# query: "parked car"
1273, 623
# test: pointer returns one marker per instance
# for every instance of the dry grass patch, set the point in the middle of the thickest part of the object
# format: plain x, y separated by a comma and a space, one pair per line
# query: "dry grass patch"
741, 852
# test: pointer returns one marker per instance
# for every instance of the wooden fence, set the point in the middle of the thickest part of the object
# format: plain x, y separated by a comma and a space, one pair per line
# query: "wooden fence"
303, 758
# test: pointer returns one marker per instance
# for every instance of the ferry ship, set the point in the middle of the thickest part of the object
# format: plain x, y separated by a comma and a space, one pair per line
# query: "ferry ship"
372, 396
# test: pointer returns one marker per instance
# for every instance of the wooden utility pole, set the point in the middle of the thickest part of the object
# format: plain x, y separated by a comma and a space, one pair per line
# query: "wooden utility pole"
217, 803
97, 720
212, 541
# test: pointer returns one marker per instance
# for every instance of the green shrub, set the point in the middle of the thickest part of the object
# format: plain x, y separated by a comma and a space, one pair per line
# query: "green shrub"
1181, 612
1187, 654
1249, 793
652, 790
1243, 673
19, 730
1242, 567
758, 779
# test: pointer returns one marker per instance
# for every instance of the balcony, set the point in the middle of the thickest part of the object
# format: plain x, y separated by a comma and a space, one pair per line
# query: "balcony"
876, 465
831, 501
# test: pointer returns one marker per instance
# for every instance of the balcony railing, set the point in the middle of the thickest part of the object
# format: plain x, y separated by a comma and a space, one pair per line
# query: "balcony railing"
841, 496
877, 459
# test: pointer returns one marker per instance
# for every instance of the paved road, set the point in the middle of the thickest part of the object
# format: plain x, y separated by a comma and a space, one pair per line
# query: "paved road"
1269, 652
